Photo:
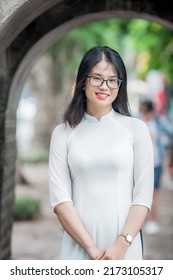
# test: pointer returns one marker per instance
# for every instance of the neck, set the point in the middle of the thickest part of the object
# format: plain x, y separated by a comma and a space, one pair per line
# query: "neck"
98, 112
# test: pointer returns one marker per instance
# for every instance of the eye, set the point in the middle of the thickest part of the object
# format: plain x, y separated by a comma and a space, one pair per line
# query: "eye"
96, 78
113, 81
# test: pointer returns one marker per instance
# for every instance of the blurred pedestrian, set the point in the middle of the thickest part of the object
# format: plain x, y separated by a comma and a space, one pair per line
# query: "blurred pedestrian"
161, 132
100, 175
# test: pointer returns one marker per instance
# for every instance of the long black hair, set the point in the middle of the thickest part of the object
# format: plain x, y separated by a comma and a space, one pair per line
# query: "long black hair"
77, 107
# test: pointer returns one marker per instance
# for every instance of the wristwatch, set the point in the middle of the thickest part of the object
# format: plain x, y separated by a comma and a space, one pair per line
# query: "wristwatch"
128, 237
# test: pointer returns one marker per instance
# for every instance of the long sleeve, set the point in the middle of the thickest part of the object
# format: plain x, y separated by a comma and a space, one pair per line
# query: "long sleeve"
143, 166
59, 175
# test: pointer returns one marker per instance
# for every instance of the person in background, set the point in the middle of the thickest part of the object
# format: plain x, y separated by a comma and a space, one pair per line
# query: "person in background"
161, 132
170, 166
100, 175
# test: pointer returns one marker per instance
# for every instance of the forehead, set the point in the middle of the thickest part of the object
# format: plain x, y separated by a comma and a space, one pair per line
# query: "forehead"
104, 68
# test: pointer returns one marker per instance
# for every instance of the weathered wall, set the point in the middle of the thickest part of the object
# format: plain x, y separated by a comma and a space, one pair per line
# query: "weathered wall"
8, 7
26, 29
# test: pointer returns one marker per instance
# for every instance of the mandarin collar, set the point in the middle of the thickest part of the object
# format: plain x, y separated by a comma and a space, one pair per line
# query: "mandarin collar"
103, 118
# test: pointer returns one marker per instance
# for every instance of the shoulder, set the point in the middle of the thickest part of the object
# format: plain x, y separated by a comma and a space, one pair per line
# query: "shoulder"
139, 124
62, 129
61, 132
64, 133
133, 124
138, 130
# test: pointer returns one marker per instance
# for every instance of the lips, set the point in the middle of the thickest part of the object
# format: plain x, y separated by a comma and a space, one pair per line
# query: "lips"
102, 95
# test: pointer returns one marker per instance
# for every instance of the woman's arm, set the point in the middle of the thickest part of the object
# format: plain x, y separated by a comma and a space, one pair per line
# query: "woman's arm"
135, 220
73, 225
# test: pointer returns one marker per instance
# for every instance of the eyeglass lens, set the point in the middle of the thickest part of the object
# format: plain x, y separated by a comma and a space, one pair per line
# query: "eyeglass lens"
98, 81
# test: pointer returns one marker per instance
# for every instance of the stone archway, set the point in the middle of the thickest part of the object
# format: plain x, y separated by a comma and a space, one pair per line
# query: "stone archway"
27, 28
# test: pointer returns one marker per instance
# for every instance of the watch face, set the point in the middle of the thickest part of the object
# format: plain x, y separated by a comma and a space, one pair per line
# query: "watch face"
129, 238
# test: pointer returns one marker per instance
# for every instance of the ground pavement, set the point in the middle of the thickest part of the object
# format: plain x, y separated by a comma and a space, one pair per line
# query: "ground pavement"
40, 239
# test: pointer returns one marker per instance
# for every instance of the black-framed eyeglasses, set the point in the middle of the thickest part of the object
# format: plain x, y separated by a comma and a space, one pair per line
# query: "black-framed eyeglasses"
96, 81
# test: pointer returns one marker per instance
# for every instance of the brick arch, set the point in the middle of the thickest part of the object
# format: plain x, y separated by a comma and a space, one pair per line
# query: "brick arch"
26, 31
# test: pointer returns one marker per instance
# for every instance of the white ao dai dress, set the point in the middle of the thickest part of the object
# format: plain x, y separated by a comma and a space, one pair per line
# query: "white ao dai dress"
103, 168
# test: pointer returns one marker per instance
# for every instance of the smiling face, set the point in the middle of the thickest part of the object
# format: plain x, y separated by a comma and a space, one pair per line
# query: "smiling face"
101, 97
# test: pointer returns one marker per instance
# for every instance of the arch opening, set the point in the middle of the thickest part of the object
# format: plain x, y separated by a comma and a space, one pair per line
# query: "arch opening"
22, 67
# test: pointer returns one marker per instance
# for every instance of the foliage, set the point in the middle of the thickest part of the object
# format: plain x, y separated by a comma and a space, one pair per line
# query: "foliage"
37, 158
154, 44
26, 208
151, 42
71, 47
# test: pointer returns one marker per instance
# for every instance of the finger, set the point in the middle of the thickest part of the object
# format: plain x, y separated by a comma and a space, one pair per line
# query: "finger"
103, 258
100, 255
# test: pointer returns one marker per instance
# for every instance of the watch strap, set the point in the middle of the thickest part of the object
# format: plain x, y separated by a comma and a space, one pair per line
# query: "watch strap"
126, 235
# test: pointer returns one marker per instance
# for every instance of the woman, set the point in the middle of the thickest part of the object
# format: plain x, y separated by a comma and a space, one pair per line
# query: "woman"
101, 165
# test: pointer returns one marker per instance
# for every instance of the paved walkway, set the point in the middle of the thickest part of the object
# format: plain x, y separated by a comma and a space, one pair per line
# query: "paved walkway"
40, 239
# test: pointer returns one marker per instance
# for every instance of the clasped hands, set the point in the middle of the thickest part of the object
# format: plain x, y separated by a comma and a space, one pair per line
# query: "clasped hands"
114, 252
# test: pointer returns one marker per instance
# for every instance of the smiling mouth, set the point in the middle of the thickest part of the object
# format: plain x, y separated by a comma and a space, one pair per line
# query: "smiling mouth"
102, 95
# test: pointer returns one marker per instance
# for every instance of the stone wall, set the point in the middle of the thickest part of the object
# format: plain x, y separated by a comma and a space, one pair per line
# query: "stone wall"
27, 28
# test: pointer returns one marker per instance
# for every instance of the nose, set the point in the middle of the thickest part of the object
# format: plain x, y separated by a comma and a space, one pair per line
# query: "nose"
104, 85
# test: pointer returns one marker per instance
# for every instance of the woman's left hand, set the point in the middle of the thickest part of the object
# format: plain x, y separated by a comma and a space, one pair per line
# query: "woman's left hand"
116, 251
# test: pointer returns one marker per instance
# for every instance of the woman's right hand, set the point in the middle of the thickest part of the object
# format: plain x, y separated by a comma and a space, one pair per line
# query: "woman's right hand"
95, 253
